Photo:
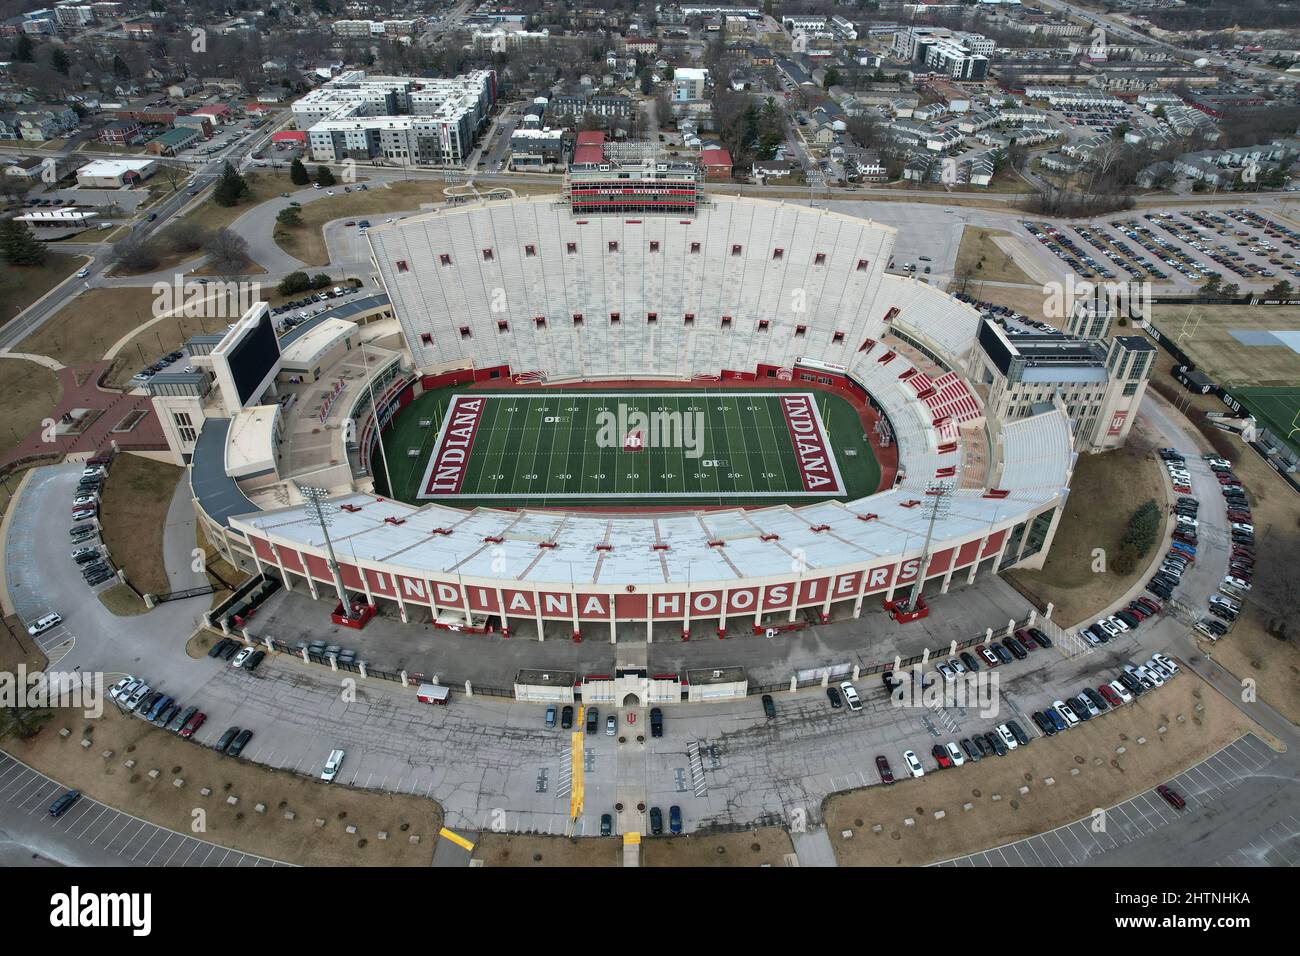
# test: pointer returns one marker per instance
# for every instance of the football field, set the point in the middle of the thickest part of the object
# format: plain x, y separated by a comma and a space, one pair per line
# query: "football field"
630, 448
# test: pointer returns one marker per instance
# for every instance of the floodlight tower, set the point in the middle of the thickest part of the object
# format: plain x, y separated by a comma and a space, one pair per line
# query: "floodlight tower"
319, 507
940, 505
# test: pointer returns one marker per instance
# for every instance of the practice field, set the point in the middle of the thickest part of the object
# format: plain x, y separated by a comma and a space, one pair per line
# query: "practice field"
1236, 345
628, 448
1277, 409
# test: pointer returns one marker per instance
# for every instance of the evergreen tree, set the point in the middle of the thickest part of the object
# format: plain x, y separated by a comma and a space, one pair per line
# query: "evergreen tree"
324, 176
289, 216
18, 246
231, 187
298, 174
59, 61
24, 49
120, 69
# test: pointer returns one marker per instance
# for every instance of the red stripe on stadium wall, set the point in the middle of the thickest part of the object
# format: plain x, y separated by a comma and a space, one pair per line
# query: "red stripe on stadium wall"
995, 542
452, 454
810, 449
967, 554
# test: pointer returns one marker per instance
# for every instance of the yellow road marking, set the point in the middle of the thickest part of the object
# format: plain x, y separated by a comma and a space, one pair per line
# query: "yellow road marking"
577, 794
456, 838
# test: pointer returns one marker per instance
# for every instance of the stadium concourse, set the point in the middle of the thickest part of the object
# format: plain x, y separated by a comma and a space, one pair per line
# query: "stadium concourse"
748, 292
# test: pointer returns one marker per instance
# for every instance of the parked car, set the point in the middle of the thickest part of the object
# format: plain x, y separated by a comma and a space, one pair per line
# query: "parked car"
1172, 796
656, 722
332, 764
611, 725
940, 754
656, 821
241, 657
885, 771
851, 695
227, 739
566, 717
674, 819
954, 753
913, 765
193, 724
550, 716
64, 803
833, 695
593, 719
239, 743
606, 824
769, 706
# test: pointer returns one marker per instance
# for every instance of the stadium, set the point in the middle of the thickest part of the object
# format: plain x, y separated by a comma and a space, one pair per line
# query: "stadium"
818, 451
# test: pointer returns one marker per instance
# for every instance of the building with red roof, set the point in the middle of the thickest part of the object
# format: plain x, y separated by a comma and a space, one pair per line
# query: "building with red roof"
716, 163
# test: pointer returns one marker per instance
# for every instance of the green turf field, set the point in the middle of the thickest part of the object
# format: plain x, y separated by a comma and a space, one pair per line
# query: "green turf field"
1275, 409
558, 448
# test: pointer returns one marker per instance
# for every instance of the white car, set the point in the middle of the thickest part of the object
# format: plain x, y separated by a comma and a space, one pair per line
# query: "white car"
913, 765
1165, 662
1007, 736
125, 686
958, 758
43, 624
946, 669
1151, 676
1066, 711
81, 274
1093, 709
332, 764
956, 665
242, 656
1116, 623
1121, 691
1110, 629
851, 695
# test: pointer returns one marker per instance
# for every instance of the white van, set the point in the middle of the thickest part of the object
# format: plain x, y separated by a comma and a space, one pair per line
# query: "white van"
43, 624
332, 764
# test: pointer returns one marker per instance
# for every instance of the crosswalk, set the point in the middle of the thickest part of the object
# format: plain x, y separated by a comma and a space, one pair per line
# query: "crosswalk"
696, 761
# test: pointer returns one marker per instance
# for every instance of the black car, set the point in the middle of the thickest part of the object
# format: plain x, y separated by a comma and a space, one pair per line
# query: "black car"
219, 648
833, 694
1080, 708
972, 751
166, 714
996, 743
1132, 683
887, 678
982, 744
566, 721
231, 650
656, 722
1043, 724
1097, 700
1042, 639
593, 719
254, 660
769, 706
237, 746
1003, 654
1015, 647
606, 824
656, 821
968, 659
64, 803
1018, 732
227, 738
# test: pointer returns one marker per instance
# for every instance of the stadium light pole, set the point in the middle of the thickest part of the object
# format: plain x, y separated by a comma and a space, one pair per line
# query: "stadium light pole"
379, 432
939, 491
322, 511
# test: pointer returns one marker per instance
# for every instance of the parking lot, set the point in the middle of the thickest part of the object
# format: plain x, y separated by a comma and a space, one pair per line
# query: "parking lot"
1206, 788
92, 834
1184, 247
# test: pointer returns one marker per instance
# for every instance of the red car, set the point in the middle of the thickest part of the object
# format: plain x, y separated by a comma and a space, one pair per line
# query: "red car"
1025, 638
1112, 698
1171, 797
940, 755
193, 724
1151, 603
886, 775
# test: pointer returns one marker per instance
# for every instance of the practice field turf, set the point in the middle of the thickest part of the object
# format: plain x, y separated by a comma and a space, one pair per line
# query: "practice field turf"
1275, 409
1236, 345
628, 448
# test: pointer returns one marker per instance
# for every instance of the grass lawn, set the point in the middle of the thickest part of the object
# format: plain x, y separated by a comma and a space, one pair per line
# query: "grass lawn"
1205, 333
20, 286
30, 393
122, 601
262, 185
271, 834
307, 242
17, 648
980, 256
1277, 409
133, 512
1104, 779
84, 329
1105, 491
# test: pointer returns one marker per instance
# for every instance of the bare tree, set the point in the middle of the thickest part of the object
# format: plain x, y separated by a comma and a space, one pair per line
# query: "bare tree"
227, 252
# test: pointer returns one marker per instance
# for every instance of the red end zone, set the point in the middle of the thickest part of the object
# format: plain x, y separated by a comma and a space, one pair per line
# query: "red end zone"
446, 472
817, 467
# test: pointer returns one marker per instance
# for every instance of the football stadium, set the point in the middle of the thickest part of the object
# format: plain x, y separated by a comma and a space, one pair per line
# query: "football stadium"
725, 418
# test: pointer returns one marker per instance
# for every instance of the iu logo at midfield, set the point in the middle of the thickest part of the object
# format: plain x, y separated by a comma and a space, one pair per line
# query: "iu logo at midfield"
634, 441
